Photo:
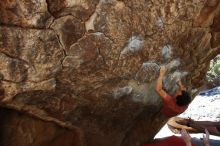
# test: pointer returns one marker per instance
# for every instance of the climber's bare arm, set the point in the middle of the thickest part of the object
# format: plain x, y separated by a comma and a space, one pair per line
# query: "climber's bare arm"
181, 86
159, 84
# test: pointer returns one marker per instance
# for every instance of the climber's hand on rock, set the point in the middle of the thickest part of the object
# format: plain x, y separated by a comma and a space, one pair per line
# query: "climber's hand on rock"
162, 70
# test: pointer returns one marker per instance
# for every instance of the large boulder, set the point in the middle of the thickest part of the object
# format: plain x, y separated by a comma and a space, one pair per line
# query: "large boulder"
87, 69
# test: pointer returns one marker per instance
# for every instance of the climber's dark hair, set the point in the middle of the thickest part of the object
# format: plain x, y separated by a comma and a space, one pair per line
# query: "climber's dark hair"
183, 99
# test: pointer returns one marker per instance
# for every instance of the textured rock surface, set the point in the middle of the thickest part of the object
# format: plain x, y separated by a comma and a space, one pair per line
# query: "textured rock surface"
34, 131
90, 66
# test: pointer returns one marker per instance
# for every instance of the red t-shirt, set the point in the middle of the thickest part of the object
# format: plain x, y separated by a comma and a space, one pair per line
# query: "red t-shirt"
169, 141
170, 108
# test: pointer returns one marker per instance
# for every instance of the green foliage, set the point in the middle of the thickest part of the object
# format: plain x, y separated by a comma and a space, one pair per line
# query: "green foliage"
214, 69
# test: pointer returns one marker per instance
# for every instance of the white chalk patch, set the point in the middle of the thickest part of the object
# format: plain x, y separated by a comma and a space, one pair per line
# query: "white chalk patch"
160, 22
177, 75
167, 51
135, 43
120, 92
98, 34
150, 64
138, 98
173, 64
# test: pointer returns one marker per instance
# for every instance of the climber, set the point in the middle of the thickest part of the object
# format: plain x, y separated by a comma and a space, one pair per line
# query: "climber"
176, 104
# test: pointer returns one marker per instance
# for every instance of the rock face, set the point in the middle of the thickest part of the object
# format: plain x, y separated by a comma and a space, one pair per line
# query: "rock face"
85, 70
